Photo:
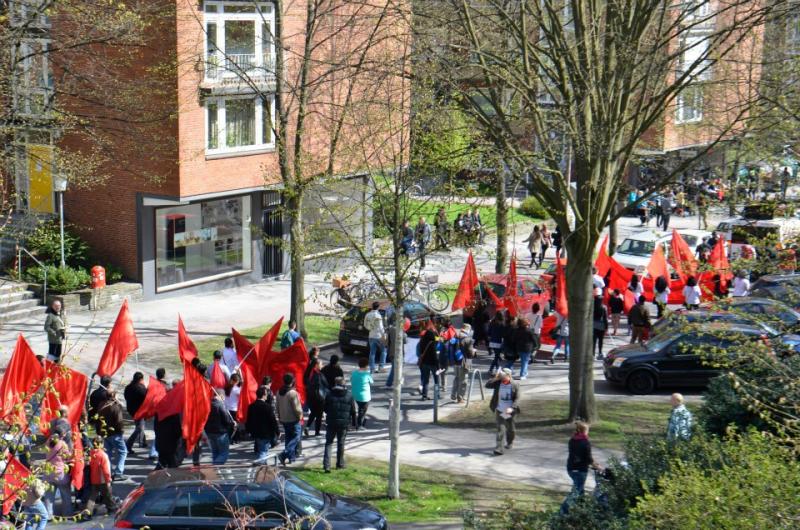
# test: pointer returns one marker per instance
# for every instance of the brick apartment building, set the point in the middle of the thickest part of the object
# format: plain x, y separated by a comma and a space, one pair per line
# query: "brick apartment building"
213, 216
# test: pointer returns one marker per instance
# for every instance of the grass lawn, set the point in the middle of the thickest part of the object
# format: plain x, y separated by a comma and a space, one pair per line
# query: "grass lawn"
425, 496
544, 419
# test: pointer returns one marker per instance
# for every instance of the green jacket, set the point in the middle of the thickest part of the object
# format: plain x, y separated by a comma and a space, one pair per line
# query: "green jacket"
55, 328
495, 386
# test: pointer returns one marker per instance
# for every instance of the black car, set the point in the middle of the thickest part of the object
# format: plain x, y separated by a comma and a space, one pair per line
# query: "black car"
774, 312
676, 359
783, 287
677, 319
209, 497
353, 336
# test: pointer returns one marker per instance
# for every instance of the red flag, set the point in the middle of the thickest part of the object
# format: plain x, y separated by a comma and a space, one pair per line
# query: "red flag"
603, 261
264, 349
186, 348
13, 482
510, 298
121, 342
681, 256
196, 404
629, 300
547, 326
217, 377
171, 403
241, 344
78, 459
561, 289
293, 359
65, 386
719, 260
248, 394
155, 393
465, 294
492, 297
658, 264
23, 376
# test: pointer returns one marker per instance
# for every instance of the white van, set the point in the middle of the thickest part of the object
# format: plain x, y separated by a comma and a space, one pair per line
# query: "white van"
635, 251
741, 233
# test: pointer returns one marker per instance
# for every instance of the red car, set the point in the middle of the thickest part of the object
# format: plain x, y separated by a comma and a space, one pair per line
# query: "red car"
528, 292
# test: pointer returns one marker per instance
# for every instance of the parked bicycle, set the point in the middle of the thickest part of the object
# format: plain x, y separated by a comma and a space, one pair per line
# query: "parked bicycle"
427, 290
346, 294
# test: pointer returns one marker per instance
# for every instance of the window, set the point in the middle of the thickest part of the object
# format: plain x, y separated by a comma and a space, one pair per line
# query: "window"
159, 506
238, 124
34, 84
793, 34
689, 105
307, 499
199, 241
695, 57
263, 502
238, 39
209, 503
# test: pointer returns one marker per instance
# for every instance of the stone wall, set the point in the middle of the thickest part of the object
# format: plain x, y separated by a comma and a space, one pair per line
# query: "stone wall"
109, 296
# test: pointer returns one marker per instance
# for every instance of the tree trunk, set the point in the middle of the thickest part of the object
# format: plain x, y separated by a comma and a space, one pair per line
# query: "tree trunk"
393, 484
581, 303
294, 206
501, 220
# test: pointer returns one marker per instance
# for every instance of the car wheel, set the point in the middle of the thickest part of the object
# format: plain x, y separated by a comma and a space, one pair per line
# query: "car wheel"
641, 382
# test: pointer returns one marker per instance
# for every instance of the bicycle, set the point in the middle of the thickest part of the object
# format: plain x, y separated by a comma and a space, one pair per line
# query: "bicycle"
346, 294
427, 290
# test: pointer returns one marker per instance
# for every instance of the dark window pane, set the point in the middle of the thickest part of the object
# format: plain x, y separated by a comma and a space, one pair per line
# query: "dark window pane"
161, 505
264, 503
181, 508
209, 503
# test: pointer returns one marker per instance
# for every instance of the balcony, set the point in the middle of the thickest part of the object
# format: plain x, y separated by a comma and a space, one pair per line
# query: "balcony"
238, 73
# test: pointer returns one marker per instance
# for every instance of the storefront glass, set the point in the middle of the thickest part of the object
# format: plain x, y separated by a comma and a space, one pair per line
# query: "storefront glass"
202, 240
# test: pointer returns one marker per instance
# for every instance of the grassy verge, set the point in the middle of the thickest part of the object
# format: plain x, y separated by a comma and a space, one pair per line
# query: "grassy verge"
424, 496
544, 419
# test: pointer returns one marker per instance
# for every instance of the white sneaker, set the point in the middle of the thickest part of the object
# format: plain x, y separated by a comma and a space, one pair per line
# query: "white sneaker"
523, 378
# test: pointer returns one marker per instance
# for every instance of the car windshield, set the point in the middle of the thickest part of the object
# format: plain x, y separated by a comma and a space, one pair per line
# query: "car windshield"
636, 247
305, 497
498, 289
659, 342
690, 240
415, 310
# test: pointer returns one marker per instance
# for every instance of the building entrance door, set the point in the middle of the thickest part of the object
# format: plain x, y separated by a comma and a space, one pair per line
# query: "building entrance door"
272, 222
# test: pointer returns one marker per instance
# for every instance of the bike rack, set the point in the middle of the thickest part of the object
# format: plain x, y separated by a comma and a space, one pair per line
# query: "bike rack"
474, 373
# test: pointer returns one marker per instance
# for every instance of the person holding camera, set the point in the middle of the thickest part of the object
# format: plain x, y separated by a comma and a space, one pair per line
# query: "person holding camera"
505, 405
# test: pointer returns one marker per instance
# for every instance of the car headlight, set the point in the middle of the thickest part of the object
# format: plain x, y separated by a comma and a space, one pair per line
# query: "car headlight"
618, 362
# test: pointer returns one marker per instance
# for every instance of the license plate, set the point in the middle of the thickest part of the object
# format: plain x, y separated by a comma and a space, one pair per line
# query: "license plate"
358, 342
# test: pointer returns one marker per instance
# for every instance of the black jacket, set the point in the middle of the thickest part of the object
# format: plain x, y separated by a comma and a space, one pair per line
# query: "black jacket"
261, 421
340, 408
580, 454
108, 418
428, 356
97, 398
219, 419
134, 397
331, 372
524, 341
316, 388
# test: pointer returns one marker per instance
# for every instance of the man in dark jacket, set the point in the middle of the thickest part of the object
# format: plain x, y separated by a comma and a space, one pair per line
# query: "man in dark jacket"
100, 394
579, 461
262, 424
218, 428
639, 319
134, 394
505, 405
332, 370
340, 411
108, 422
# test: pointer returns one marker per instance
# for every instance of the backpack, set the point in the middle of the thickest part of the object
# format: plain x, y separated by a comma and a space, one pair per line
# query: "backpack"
318, 387
217, 378
286, 339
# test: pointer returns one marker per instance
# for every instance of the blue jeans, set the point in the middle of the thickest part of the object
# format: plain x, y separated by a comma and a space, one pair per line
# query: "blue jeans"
376, 345
64, 488
425, 373
292, 433
565, 341
35, 516
578, 481
390, 379
220, 447
117, 452
524, 359
262, 447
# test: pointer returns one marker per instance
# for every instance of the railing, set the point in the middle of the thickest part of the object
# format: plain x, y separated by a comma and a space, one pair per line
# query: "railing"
472, 376
20, 250
238, 63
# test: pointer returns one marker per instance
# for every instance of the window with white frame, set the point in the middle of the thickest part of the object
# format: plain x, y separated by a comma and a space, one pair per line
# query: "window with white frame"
239, 124
34, 84
239, 38
689, 105
695, 57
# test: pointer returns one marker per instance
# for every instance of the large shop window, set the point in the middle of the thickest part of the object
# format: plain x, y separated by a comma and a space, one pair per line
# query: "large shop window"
200, 241
238, 124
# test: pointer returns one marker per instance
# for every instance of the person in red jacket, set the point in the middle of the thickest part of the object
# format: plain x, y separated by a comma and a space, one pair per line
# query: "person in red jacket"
100, 477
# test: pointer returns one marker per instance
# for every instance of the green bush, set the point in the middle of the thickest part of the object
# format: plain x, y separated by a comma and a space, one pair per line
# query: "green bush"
531, 207
59, 280
757, 485
113, 274
45, 243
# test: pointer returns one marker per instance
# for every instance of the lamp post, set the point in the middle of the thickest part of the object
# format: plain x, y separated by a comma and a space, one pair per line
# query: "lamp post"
60, 186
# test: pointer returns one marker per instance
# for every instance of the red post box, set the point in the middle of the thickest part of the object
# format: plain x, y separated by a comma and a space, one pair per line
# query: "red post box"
98, 277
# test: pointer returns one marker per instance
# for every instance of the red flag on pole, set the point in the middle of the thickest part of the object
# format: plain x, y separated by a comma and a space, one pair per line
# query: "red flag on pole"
13, 482
510, 298
121, 342
241, 344
264, 349
293, 359
492, 297
65, 387
681, 256
248, 394
171, 403
603, 261
24, 374
465, 294
78, 459
155, 393
196, 404
658, 264
719, 260
562, 307
186, 348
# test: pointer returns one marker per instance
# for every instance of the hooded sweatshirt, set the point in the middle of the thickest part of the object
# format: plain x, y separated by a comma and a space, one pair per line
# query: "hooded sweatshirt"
289, 408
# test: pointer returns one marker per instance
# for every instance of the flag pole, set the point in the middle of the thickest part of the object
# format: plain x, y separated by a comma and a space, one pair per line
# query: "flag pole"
245, 358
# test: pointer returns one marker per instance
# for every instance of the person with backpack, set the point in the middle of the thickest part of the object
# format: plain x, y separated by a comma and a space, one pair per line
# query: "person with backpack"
262, 424
290, 336
599, 323
497, 330
361, 382
316, 390
462, 363
340, 410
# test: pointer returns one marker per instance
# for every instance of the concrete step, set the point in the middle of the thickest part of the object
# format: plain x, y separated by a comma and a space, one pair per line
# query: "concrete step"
8, 286
7, 307
13, 296
18, 315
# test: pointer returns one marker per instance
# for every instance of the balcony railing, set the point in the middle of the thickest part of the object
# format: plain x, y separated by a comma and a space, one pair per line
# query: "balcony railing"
231, 65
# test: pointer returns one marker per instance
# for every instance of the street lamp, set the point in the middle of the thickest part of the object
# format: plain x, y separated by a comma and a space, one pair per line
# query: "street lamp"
60, 186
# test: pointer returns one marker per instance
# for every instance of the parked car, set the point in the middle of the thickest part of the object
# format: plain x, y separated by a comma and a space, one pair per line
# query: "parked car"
774, 312
783, 287
680, 318
635, 251
353, 336
529, 290
204, 497
677, 359
743, 232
